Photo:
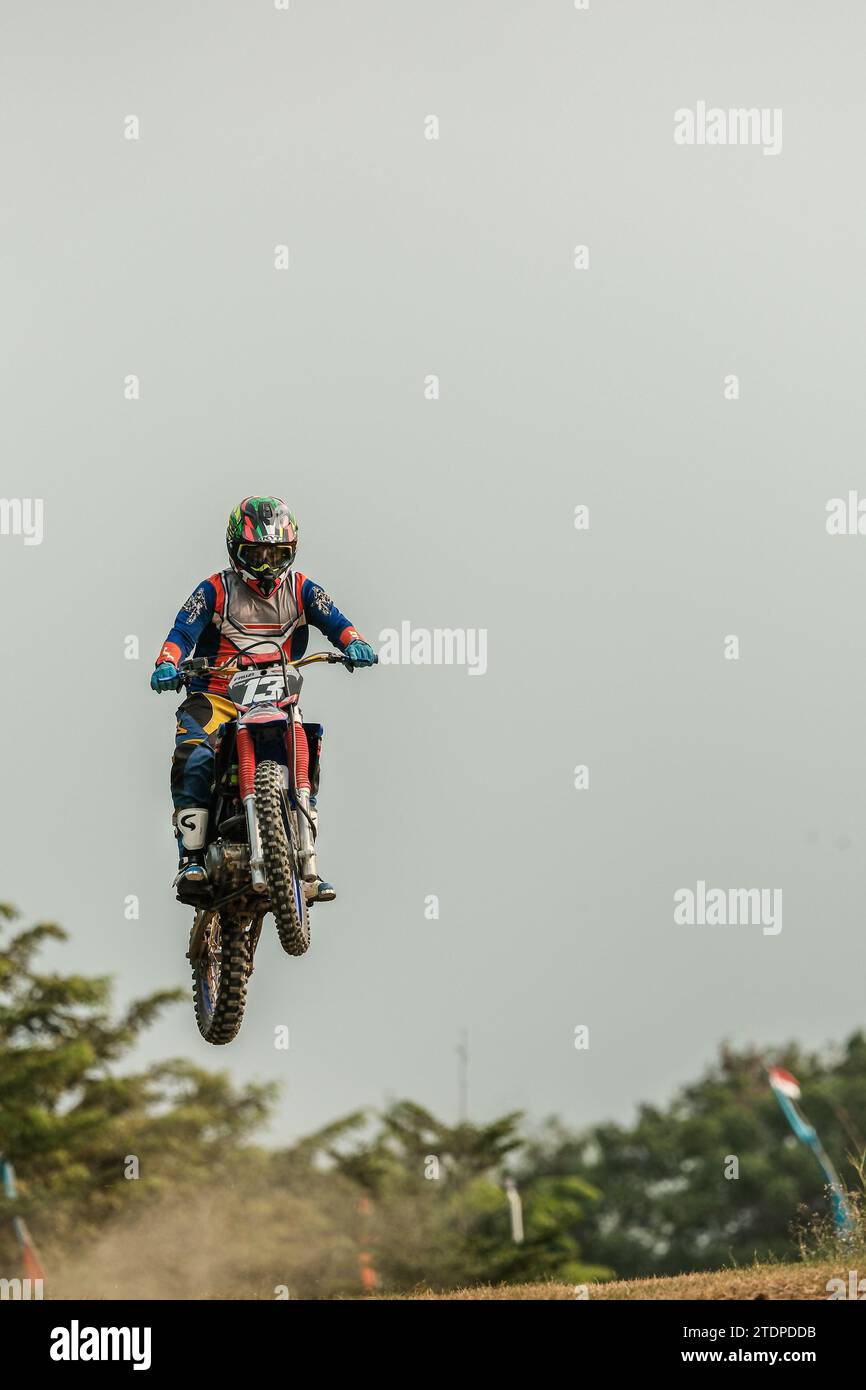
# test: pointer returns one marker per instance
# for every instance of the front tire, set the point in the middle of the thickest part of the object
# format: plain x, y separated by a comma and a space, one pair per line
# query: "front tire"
285, 889
221, 962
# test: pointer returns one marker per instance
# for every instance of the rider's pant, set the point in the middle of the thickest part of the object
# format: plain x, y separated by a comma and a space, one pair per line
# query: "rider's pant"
200, 723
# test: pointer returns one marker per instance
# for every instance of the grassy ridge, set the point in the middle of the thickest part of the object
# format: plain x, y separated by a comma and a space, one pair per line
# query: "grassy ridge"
760, 1281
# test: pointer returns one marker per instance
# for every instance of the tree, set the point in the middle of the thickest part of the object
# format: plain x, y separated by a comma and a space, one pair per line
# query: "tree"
670, 1201
71, 1124
145, 1183
438, 1215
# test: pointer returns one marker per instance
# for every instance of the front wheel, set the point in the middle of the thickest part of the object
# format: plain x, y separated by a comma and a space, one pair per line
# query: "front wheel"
285, 889
221, 961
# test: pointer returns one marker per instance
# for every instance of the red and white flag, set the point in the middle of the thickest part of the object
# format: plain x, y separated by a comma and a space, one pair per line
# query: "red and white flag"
783, 1081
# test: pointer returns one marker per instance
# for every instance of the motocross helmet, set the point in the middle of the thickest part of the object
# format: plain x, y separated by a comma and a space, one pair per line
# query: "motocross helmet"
261, 538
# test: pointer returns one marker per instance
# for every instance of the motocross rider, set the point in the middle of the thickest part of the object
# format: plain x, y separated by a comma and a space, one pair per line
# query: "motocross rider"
260, 597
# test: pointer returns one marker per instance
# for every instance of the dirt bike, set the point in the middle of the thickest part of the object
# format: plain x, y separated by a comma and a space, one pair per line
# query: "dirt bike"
260, 847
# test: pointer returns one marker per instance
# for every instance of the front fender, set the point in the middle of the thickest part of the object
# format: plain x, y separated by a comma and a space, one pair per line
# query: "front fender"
266, 714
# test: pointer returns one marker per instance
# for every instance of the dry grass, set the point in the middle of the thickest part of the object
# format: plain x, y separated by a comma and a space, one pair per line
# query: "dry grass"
757, 1282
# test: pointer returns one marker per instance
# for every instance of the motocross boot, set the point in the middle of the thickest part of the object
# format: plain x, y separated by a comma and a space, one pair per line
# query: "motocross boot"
191, 830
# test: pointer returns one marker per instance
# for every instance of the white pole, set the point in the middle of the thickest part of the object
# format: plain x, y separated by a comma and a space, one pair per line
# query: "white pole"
463, 1077
516, 1210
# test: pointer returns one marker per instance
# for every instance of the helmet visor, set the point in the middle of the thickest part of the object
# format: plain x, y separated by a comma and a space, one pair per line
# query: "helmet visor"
261, 558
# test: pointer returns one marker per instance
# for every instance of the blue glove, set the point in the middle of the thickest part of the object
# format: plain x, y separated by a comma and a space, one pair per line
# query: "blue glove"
360, 654
165, 677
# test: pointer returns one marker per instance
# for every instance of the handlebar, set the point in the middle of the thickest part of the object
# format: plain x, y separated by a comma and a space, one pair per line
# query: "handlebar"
200, 665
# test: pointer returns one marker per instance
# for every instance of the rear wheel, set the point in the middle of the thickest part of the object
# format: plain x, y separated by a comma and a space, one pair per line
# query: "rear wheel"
221, 963
285, 889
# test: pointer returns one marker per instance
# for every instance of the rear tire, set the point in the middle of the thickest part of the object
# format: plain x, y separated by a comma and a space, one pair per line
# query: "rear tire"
285, 888
219, 976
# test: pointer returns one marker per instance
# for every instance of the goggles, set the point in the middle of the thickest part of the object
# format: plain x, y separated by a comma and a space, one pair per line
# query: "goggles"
261, 556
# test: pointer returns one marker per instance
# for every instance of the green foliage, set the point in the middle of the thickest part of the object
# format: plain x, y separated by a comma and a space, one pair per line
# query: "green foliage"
667, 1206
435, 1213
68, 1122
212, 1213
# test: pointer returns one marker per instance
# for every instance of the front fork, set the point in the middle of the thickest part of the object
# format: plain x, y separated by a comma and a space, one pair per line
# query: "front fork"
297, 753
306, 838
246, 781
299, 757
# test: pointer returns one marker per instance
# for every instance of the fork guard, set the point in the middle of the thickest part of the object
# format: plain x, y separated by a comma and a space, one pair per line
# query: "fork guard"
306, 841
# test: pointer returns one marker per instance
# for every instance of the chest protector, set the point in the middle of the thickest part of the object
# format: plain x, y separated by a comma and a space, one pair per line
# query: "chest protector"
250, 623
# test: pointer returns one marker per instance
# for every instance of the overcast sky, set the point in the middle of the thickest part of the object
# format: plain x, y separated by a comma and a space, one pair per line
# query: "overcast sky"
558, 387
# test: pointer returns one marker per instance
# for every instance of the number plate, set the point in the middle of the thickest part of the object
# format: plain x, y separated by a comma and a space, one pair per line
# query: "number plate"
253, 688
